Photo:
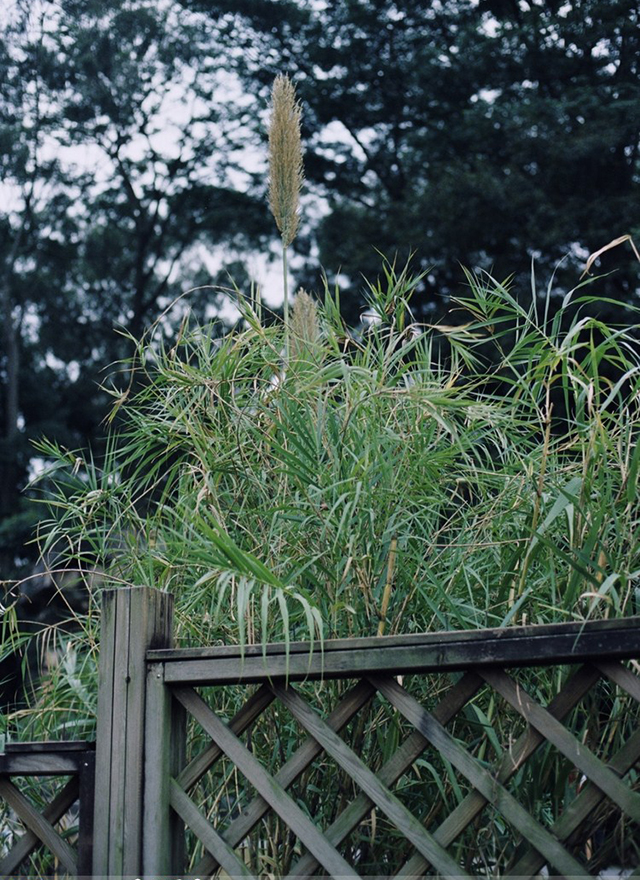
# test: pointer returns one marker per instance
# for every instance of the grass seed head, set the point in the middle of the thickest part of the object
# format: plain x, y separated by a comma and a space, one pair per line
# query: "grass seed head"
305, 325
285, 158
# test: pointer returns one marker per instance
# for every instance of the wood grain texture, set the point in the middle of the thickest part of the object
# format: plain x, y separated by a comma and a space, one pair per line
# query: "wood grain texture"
221, 851
609, 630
198, 766
580, 809
571, 747
50, 747
40, 764
623, 677
106, 672
134, 620
349, 706
156, 839
455, 699
29, 841
430, 652
86, 795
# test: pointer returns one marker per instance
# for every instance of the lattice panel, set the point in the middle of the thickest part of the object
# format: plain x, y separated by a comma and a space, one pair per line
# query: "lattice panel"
408, 789
40, 828
57, 825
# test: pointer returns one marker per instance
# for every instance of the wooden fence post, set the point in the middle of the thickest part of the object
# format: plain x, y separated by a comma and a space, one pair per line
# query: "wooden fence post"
134, 619
163, 831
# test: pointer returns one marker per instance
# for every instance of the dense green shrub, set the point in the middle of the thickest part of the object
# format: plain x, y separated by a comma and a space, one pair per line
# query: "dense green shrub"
498, 457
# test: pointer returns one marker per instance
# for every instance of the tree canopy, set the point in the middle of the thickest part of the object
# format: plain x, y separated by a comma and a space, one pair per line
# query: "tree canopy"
483, 133
113, 153
475, 132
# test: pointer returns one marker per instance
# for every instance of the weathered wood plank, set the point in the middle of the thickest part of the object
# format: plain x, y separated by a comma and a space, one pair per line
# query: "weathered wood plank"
40, 764
120, 755
36, 823
177, 758
349, 706
106, 722
266, 785
156, 839
29, 841
144, 615
437, 652
110, 735
610, 630
48, 746
621, 676
198, 766
164, 755
379, 793
466, 811
221, 851
557, 734
86, 795
134, 620
579, 810
391, 771
480, 778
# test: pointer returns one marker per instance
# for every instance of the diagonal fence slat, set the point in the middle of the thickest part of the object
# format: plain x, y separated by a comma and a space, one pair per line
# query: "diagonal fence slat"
37, 824
393, 808
466, 811
456, 698
349, 706
52, 813
480, 778
198, 766
622, 676
580, 809
265, 784
571, 747
224, 854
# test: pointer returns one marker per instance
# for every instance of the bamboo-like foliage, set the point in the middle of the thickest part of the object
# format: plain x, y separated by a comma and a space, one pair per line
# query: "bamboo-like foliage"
495, 460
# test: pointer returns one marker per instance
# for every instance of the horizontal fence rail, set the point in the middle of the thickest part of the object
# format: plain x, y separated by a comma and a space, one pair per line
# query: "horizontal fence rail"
427, 652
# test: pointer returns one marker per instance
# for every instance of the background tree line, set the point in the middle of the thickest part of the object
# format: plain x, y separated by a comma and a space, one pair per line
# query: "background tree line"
131, 134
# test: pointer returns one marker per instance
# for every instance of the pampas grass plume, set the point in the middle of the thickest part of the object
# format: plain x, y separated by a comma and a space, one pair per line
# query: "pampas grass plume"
285, 158
305, 325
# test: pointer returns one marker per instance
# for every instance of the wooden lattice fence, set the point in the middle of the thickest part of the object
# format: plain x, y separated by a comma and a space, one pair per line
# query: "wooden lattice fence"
441, 753
323, 790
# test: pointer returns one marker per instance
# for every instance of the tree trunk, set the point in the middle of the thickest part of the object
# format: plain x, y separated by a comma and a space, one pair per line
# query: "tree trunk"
9, 437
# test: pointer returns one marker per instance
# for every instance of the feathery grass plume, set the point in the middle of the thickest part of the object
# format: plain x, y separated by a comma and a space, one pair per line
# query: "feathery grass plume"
285, 158
305, 326
285, 169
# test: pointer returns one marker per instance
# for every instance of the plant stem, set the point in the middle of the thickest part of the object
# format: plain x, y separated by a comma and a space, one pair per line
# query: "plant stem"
285, 272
